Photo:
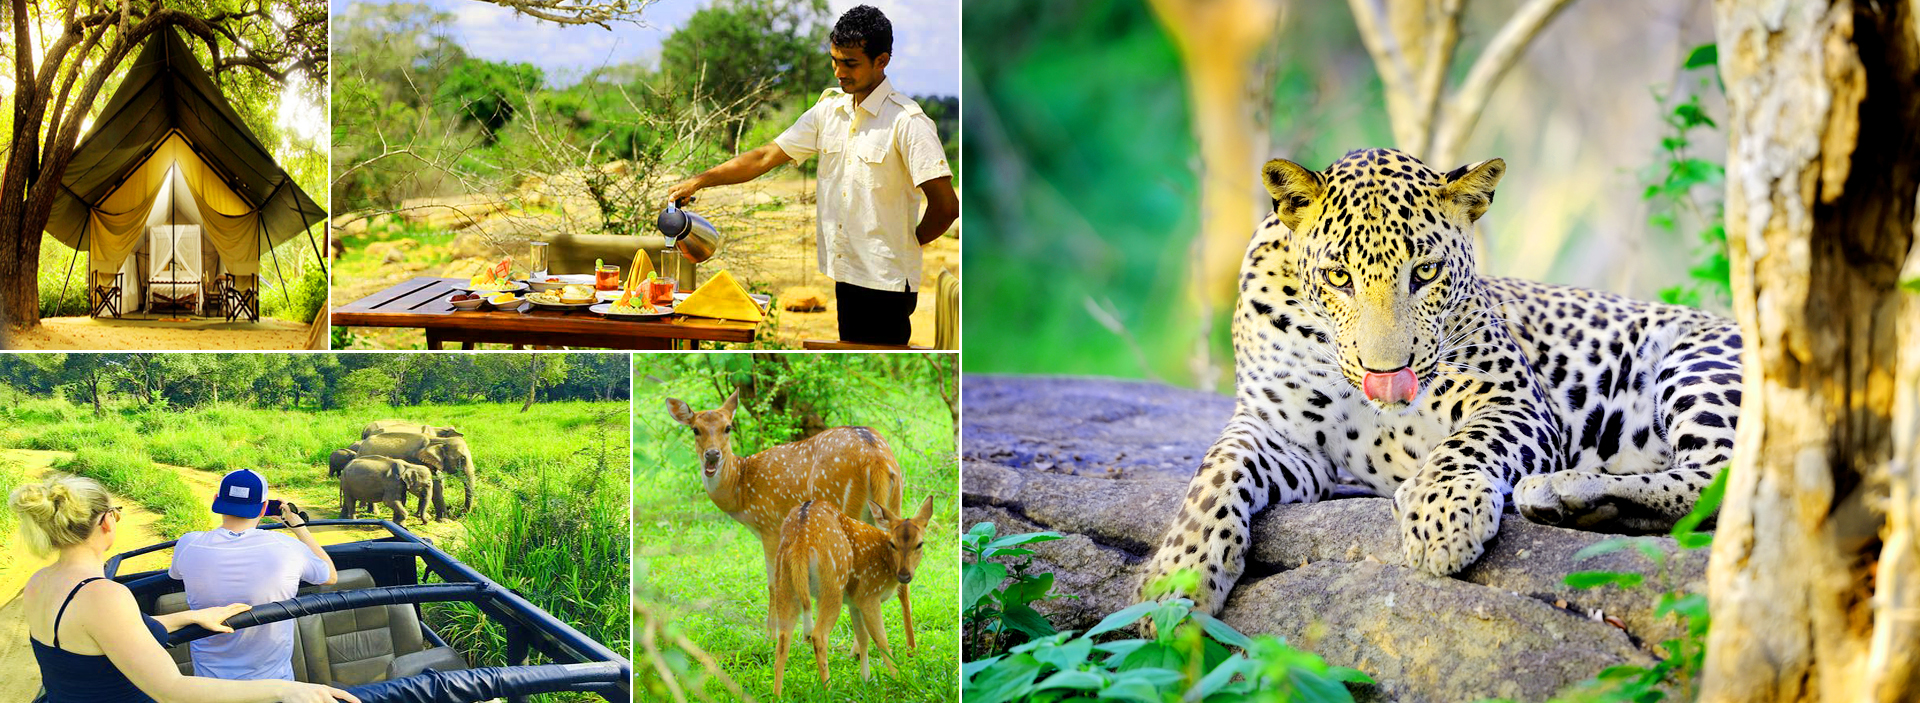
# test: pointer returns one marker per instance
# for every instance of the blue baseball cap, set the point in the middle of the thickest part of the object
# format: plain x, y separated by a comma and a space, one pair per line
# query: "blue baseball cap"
243, 493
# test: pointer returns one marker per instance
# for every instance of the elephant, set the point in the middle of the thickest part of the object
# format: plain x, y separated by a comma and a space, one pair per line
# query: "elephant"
380, 426
378, 479
340, 457
440, 454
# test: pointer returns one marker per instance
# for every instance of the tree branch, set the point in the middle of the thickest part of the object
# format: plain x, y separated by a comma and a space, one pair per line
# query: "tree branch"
1502, 53
1396, 78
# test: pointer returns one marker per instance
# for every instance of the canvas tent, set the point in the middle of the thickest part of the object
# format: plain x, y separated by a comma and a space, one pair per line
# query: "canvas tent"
168, 150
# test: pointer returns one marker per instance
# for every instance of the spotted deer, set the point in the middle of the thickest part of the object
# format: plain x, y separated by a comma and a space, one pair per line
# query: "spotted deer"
829, 558
845, 467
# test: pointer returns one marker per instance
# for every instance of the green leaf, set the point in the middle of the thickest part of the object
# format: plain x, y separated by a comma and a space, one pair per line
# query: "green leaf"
1169, 615
1066, 656
1122, 618
1694, 540
968, 669
1078, 680
1025, 538
1707, 505
1131, 689
1702, 55
1154, 655
1120, 649
1349, 675
1025, 619
1592, 579
1028, 589
978, 536
1005, 680
1605, 546
1222, 631
1219, 677
1619, 671
978, 579
1911, 285
1319, 689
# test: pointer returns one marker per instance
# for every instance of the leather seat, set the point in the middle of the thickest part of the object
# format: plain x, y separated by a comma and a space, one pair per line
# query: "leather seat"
349, 647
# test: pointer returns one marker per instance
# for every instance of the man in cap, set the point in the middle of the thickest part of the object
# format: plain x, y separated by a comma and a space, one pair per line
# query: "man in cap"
238, 563
879, 155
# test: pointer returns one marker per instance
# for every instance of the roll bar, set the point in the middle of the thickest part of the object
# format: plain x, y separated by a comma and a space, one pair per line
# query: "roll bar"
587, 665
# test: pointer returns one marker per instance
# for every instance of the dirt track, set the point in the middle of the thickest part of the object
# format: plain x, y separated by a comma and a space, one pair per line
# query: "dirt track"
22, 679
91, 333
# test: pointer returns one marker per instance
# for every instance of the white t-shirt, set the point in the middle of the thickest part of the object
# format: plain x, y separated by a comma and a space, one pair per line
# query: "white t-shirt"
255, 567
874, 156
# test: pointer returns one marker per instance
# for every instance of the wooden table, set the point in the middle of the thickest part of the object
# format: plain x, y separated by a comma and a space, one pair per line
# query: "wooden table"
422, 302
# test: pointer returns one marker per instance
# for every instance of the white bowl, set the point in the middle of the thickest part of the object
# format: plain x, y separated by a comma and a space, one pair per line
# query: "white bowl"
473, 304
509, 305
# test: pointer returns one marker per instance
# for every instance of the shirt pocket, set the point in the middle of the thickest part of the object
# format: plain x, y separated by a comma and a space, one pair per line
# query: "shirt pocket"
869, 160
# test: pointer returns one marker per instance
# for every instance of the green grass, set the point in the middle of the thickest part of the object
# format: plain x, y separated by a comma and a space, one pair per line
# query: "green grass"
127, 471
550, 510
703, 572
12, 474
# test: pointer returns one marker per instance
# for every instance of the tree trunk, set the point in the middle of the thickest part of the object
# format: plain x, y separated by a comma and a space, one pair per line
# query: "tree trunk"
1812, 581
533, 380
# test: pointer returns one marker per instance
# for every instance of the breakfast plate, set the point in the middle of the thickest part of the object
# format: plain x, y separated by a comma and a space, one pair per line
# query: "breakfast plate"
510, 287
606, 310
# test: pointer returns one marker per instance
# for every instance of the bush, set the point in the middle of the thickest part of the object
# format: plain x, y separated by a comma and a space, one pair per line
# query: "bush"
129, 473
307, 296
55, 260
995, 614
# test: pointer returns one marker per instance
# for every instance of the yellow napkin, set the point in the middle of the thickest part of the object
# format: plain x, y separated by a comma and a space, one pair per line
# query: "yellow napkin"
636, 275
721, 297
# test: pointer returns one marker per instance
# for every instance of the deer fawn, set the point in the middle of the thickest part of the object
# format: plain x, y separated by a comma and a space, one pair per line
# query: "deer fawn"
832, 558
846, 467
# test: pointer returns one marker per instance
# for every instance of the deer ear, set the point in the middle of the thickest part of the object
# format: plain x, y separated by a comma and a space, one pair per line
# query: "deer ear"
679, 410
733, 401
926, 512
1294, 189
1470, 187
880, 512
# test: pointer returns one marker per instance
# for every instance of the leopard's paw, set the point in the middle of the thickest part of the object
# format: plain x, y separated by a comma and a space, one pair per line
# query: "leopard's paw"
1446, 519
1573, 498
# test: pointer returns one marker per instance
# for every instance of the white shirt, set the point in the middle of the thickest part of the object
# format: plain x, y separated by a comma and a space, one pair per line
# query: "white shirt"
255, 567
874, 157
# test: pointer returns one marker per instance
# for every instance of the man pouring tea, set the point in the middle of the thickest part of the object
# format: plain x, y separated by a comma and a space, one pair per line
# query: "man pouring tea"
879, 156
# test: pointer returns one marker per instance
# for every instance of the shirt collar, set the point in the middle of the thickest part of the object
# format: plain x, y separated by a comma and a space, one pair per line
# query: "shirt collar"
877, 98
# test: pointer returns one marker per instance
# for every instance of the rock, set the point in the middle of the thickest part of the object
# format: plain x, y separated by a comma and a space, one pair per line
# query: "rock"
1106, 462
803, 299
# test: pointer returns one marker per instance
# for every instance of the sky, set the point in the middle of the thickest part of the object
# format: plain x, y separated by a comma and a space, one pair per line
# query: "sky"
926, 39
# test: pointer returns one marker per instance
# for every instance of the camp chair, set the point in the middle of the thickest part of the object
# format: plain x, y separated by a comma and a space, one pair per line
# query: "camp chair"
174, 273
241, 297
946, 323
105, 298
214, 295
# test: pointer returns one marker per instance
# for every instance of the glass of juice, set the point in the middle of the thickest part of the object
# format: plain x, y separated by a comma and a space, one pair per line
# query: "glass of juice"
607, 277
660, 291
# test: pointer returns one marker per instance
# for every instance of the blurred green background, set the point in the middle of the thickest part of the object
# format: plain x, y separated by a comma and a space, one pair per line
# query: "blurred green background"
1083, 170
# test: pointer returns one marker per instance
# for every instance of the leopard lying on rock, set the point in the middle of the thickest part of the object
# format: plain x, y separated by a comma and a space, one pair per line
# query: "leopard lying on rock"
1365, 345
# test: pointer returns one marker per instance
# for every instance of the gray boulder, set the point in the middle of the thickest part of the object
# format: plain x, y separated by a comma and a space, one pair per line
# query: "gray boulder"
1105, 462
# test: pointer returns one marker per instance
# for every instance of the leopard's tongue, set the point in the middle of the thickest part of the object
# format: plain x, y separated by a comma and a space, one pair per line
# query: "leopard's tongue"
1397, 387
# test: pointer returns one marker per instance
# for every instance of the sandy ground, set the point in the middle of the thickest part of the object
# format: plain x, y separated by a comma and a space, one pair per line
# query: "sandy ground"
93, 334
22, 679
770, 240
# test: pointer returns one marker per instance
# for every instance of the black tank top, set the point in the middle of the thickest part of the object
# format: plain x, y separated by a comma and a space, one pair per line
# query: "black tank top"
82, 678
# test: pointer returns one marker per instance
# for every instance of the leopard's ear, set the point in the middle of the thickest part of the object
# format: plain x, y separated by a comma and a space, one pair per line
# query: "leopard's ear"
1470, 187
1294, 189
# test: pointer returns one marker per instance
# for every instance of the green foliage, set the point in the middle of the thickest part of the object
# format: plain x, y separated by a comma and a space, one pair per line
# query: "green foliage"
995, 613
554, 530
485, 91
308, 292
1190, 658
61, 273
750, 53
1674, 194
1685, 656
700, 588
12, 473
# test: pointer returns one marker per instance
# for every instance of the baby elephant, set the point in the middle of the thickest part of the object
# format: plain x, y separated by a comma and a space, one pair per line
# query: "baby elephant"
373, 479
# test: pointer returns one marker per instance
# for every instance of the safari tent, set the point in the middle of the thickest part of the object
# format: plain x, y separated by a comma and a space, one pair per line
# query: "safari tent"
173, 199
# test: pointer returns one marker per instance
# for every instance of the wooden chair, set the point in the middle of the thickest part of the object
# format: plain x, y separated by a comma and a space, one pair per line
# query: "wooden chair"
241, 301
946, 323
214, 293
106, 298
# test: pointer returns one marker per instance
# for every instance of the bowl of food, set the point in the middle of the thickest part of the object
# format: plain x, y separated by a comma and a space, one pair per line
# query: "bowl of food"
466, 301
576, 294
559, 281
505, 301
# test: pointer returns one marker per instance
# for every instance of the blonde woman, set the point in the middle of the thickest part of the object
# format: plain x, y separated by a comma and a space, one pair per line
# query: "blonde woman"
92, 642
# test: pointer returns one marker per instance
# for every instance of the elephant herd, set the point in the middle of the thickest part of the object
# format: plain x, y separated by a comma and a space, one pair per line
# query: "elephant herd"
397, 458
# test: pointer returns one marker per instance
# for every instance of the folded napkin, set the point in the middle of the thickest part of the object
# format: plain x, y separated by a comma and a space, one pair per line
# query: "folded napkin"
721, 297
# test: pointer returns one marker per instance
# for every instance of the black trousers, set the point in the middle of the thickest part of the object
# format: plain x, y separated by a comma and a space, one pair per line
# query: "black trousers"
870, 316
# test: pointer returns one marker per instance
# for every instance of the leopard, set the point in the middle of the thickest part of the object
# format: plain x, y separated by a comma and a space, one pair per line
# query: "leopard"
1369, 353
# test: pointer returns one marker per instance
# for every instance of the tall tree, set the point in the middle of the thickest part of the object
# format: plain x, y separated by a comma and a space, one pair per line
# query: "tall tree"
752, 52
84, 43
1815, 575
